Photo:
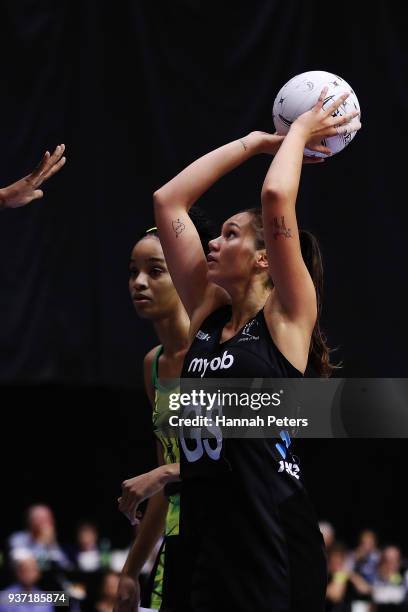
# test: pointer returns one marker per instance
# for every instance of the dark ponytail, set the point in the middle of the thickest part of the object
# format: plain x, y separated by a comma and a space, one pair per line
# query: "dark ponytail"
319, 352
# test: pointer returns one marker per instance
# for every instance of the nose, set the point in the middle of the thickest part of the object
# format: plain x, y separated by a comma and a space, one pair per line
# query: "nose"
140, 281
214, 244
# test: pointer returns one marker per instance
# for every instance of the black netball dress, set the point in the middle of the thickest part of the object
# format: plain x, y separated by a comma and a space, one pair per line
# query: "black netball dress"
249, 530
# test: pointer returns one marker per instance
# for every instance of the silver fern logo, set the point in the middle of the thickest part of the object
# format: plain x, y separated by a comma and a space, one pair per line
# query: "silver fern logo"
246, 332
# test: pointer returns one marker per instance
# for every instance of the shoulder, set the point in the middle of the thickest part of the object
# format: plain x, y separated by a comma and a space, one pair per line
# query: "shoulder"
147, 371
150, 356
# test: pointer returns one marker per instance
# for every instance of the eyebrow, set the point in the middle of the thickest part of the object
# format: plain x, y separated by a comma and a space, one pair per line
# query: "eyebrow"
152, 259
233, 223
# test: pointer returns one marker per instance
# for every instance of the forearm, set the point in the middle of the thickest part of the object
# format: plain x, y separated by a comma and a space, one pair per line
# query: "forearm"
150, 530
185, 188
164, 474
3, 198
152, 525
283, 177
170, 473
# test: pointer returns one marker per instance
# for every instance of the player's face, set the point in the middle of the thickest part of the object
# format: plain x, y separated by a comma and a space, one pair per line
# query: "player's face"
151, 288
232, 255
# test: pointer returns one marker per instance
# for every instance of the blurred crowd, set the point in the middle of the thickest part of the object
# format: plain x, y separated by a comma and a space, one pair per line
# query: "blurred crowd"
366, 578
87, 570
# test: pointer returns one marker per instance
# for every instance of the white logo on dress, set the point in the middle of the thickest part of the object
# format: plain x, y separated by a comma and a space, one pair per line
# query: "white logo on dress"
224, 362
291, 468
202, 336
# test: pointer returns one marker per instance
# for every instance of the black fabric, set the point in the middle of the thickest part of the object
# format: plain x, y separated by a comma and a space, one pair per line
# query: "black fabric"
250, 353
245, 549
137, 90
245, 516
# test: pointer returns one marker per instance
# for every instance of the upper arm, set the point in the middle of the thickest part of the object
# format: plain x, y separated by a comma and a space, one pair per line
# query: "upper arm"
293, 284
185, 258
147, 373
159, 453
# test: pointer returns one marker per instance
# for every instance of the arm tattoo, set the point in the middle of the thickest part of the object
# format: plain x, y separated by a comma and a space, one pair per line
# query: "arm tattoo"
280, 229
178, 227
242, 141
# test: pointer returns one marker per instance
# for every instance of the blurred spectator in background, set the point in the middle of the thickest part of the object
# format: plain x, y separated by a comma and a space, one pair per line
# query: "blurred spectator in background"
40, 539
389, 590
328, 533
27, 574
366, 556
109, 588
89, 554
345, 587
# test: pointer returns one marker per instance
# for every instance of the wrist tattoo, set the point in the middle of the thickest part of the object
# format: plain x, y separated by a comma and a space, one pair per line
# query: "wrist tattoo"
280, 229
242, 141
178, 227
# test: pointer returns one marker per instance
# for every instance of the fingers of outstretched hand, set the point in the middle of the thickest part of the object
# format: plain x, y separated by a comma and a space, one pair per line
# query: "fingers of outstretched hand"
335, 105
53, 163
319, 103
349, 128
46, 167
347, 118
347, 123
58, 151
57, 166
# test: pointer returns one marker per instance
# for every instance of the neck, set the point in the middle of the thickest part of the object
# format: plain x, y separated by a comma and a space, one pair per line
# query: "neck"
246, 301
172, 331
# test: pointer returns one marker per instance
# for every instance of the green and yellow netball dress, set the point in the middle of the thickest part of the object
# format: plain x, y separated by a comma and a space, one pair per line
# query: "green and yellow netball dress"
167, 570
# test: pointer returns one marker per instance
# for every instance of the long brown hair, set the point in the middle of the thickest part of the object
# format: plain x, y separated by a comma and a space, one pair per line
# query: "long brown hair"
319, 352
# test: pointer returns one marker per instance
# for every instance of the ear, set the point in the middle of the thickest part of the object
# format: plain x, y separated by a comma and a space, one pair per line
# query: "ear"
262, 261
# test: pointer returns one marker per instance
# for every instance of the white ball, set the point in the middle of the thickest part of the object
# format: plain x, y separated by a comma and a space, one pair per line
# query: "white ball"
301, 93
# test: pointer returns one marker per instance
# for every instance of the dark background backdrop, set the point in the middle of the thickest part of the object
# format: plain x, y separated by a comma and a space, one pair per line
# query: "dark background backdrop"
136, 90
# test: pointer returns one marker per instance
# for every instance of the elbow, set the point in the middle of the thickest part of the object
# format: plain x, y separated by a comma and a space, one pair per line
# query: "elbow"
274, 195
158, 199
166, 199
